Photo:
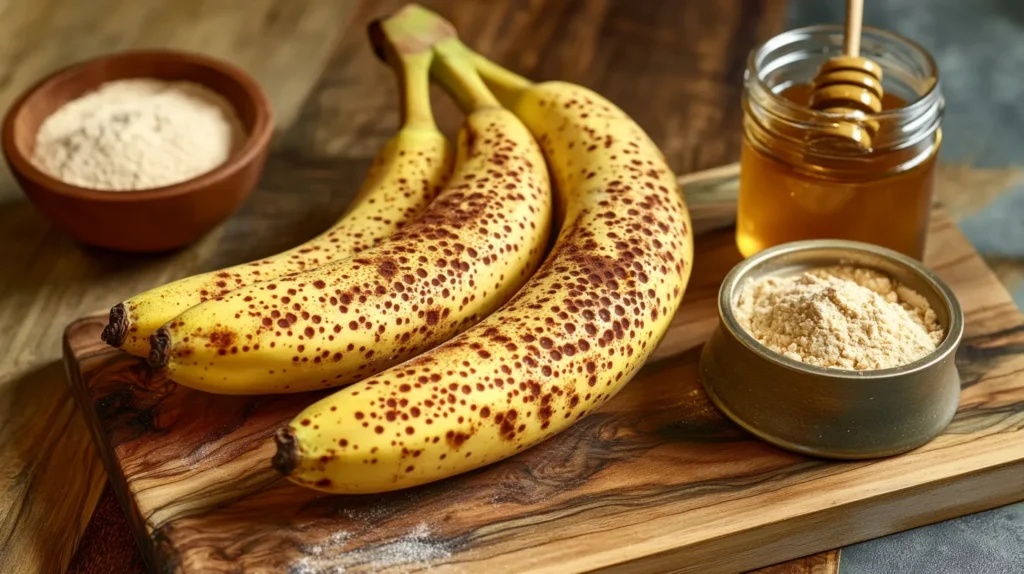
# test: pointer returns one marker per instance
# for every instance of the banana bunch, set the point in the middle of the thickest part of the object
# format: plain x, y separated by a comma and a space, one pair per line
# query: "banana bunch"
405, 177
568, 341
463, 257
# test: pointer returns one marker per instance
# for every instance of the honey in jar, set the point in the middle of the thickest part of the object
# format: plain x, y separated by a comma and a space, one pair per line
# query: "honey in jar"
795, 185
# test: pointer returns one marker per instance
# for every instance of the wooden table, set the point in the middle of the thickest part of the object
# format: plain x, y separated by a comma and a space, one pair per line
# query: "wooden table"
676, 67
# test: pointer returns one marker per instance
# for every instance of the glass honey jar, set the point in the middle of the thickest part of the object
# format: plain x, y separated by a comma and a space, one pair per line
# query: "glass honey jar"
796, 185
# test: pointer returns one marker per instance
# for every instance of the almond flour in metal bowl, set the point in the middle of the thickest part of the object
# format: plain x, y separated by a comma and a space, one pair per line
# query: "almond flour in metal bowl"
841, 317
817, 394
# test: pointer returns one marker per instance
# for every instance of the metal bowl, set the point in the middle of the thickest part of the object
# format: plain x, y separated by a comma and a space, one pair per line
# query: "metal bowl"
834, 413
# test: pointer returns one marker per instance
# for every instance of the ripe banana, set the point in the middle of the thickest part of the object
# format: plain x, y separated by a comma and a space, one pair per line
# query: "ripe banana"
465, 256
574, 335
405, 176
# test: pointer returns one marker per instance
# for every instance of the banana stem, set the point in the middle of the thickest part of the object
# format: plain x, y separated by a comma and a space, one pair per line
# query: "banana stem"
404, 40
414, 90
455, 70
506, 85
415, 30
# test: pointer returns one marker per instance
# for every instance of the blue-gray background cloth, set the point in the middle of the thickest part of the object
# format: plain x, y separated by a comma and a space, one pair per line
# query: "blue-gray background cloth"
979, 48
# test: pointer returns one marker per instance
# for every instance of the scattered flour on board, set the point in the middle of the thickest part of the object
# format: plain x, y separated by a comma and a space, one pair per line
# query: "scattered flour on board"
334, 542
371, 514
413, 551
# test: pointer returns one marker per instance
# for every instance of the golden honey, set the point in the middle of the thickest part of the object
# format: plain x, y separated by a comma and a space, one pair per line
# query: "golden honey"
796, 185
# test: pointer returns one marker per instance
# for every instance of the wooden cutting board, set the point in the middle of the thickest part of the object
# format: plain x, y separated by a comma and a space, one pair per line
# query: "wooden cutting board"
657, 480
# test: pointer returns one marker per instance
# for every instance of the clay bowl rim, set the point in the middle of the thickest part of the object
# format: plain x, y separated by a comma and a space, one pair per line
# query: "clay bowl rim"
256, 139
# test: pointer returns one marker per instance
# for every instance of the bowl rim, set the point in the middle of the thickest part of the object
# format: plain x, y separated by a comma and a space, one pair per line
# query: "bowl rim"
256, 139
948, 346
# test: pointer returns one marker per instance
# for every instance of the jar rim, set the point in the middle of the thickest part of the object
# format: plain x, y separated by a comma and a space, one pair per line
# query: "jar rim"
918, 107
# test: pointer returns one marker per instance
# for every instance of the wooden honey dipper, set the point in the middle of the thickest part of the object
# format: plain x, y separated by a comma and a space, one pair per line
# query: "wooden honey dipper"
849, 84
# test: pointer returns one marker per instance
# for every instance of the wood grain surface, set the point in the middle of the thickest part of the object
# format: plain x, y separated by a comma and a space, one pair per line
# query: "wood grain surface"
657, 480
823, 563
674, 66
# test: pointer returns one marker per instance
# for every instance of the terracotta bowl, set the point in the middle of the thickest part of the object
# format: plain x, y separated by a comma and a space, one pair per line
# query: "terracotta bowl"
150, 220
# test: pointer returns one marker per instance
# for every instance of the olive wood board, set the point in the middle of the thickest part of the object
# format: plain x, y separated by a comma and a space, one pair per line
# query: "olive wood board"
656, 481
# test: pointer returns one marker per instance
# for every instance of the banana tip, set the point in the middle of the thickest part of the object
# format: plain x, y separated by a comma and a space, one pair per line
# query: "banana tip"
159, 347
287, 456
377, 38
116, 330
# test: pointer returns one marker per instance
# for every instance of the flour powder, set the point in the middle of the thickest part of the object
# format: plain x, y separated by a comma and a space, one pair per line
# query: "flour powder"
137, 134
841, 317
